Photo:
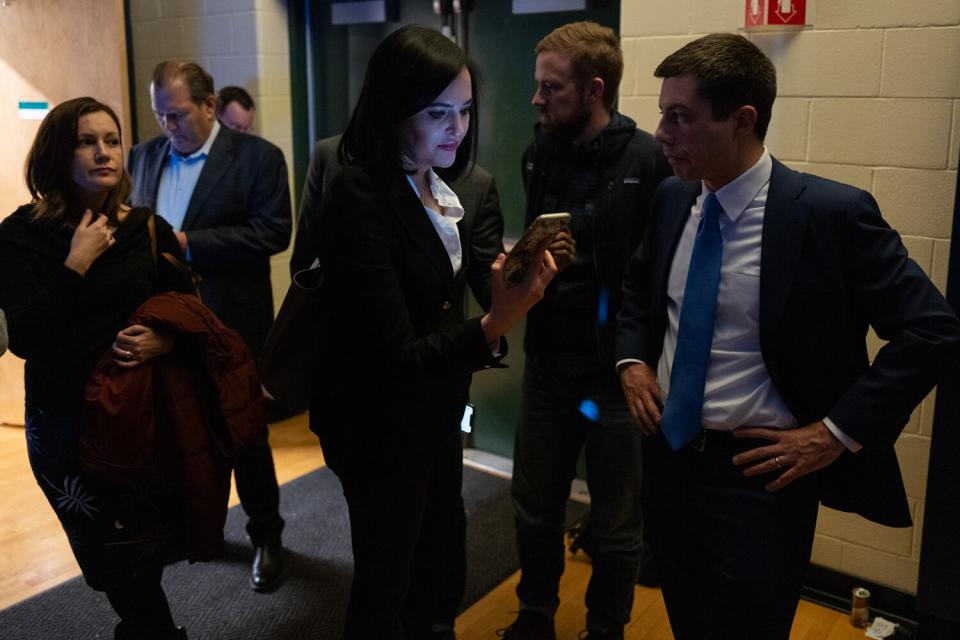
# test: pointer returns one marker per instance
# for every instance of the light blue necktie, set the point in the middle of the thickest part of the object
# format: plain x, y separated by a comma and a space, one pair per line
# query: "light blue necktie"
681, 415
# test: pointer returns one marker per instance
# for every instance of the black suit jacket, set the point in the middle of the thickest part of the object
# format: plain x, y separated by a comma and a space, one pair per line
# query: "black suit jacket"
481, 229
403, 354
830, 268
238, 216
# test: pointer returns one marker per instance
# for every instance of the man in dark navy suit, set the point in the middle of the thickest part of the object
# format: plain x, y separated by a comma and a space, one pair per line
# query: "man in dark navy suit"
226, 195
742, 353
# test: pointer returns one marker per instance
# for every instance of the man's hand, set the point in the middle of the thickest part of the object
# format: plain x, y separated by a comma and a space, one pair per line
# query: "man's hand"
563, 248
797, 451
642, 392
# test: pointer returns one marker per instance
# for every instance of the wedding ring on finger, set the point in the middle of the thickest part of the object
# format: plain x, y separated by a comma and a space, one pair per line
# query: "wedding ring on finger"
776, 462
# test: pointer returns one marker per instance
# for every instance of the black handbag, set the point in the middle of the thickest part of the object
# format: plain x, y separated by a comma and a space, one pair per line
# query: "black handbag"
297, 340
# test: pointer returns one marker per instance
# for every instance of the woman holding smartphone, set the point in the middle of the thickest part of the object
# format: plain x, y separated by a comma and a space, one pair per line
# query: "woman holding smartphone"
393, 387
74, 264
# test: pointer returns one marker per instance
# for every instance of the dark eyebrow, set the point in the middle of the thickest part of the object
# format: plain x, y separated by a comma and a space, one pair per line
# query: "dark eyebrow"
446, 105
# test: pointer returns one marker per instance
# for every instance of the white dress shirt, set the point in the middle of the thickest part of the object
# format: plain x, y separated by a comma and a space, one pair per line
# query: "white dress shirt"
444, 221
738, 390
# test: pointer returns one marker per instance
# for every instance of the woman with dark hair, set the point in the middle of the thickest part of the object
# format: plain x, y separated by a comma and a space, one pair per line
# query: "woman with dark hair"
393, 386
74, 264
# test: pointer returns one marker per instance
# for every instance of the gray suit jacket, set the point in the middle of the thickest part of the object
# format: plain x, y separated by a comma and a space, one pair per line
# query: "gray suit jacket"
238, 216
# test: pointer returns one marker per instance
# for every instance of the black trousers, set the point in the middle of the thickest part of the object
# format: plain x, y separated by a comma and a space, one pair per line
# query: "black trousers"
732, 556
403, 496
253, 469
258, 490
142, 607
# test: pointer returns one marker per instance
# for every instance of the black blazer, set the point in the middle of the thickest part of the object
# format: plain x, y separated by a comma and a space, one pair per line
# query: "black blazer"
238, 216
481, 229
403, 355
830, 268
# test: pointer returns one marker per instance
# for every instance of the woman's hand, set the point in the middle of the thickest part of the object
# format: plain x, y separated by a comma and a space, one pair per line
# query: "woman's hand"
138, 344
510, 302
89, 241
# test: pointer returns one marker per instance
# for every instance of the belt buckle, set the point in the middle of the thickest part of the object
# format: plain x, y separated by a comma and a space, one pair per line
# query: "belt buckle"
700, 442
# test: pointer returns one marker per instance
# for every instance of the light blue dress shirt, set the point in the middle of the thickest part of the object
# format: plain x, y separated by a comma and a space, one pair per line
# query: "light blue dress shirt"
178, 180
738, 391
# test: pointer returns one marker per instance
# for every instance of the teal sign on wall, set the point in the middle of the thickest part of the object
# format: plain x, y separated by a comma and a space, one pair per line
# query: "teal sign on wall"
33, 110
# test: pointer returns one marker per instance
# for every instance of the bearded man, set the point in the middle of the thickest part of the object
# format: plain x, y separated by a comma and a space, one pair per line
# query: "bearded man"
593, 162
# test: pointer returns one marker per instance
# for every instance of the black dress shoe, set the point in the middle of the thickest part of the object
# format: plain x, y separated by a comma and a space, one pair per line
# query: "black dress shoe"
529, 625
267, 571
123, 632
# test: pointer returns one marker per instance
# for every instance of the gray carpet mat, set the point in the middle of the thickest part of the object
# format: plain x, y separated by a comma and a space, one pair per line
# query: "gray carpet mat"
213, 600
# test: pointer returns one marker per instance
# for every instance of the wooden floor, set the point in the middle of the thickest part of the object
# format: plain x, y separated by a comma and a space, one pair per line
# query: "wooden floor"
34, 554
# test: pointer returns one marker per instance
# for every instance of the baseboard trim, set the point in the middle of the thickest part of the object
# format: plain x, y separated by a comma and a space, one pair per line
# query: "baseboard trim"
503, 467
834, 589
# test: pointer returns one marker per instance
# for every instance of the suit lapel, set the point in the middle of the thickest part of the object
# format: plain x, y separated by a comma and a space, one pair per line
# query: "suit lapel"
414, 218
222, 155
784, 224
153, 169
672, 229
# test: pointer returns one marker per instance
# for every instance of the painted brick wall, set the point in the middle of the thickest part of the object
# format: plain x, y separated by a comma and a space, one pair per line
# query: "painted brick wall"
240, 42
869, 95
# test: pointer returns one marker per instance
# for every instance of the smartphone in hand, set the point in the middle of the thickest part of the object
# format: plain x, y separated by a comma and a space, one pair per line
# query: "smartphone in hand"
543, 229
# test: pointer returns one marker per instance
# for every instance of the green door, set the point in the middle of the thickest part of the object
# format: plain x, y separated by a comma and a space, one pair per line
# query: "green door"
502, 44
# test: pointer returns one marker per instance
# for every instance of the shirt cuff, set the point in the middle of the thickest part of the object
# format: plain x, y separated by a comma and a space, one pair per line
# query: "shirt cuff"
844, 439
623, 363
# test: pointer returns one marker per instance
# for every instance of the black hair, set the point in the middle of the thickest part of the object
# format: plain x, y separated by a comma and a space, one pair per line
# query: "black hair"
407, 71
234, 94
731, 72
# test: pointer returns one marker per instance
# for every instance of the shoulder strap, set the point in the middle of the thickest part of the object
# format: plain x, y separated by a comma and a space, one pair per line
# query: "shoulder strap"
166, 255
152, 227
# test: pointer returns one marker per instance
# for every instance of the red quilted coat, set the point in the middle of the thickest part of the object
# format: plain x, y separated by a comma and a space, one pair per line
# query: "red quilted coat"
179, 418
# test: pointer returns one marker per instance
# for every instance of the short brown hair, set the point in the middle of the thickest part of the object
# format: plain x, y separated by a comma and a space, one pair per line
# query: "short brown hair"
48, 167
594, 51
234, 94
731, 72
199, 83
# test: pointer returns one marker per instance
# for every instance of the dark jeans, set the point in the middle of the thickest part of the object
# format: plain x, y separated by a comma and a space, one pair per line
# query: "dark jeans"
550, 436
403, 495
258, 491
732, 556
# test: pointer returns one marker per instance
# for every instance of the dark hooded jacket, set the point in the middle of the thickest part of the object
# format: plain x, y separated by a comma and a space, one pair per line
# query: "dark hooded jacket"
629, 166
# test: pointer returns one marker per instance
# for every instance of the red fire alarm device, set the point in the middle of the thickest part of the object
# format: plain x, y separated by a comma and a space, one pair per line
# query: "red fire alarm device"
767, 14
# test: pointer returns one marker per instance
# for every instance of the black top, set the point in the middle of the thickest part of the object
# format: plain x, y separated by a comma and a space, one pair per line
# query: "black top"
60, 322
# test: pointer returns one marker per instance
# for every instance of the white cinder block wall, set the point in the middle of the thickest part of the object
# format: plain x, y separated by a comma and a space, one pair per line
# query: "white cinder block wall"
240, 42
869, 95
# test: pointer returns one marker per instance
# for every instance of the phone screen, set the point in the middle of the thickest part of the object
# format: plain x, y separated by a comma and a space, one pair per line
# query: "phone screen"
466, 423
